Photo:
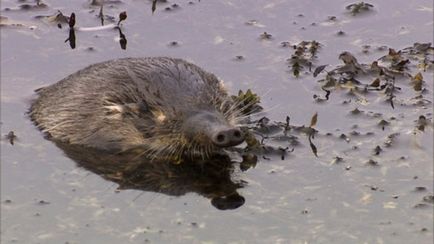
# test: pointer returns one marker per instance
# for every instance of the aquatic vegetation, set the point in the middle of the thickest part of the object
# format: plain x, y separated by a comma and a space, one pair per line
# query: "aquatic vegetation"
382, 74
303, 56
248, 102
357, 8
11, 137
266, 36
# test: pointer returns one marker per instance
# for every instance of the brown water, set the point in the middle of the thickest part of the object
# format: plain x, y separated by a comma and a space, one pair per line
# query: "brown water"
47, 198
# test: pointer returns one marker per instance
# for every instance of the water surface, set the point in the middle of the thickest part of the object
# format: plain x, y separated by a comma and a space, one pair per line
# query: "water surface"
47, 198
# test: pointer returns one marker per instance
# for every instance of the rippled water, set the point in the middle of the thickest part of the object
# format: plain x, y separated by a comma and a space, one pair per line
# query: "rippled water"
345, 195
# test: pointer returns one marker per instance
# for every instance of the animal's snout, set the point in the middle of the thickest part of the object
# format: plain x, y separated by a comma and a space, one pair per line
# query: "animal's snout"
228, 137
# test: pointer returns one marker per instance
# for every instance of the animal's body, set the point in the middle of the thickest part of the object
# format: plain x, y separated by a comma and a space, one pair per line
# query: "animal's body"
162, 105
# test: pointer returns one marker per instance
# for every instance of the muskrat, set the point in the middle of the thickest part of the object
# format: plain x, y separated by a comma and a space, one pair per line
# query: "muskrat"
163, 106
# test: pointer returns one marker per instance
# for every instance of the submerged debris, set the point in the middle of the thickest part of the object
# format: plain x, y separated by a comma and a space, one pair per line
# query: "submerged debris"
154, 6
383, 123
337, 160
102, 2
372, 162
420, 189
11, 137
38, 5
391, 139
429, 198
377, 150
422, 122
266, 36
357, 8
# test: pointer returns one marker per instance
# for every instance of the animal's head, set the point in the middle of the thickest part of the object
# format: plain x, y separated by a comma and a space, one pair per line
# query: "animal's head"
199, 129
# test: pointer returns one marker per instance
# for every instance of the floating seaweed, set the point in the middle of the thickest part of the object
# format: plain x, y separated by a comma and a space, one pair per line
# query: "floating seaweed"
262, 136
422, 122
266, 36
122, 17
38, 5
357, 8
58, 18
303, 57
248, 102
383, 73
173, 6
11, 137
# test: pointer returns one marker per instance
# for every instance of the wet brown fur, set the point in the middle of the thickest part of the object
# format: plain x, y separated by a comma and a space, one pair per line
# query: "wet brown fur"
133, 103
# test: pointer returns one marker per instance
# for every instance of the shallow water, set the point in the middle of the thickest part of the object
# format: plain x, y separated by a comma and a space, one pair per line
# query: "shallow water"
47, 198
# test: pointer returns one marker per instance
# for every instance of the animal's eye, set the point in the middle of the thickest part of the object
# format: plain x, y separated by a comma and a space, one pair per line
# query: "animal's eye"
143, 107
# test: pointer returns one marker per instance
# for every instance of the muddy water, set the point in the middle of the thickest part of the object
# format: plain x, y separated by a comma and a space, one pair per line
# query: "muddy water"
348, 194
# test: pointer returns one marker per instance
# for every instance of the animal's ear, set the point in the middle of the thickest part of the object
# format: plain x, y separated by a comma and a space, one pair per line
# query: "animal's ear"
139, 107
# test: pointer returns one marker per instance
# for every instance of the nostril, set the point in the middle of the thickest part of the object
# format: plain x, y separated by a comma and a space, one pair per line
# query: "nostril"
228, 137
220, 138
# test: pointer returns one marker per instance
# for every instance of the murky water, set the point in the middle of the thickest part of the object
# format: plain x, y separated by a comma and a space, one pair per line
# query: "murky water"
350, 193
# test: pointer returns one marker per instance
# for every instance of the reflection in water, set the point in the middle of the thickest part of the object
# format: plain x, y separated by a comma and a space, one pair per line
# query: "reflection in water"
122, 39
71, 38
72, 41
211, 179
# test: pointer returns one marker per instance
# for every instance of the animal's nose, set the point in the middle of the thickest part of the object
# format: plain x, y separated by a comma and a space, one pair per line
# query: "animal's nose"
228, 137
